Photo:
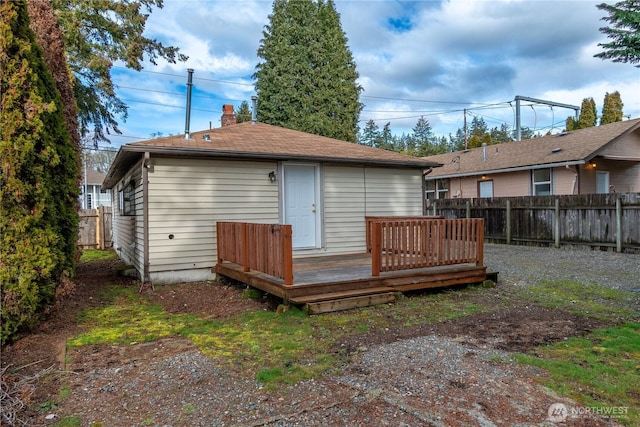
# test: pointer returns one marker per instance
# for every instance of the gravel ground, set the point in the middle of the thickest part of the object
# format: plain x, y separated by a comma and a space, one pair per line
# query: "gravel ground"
430, 380
528, 264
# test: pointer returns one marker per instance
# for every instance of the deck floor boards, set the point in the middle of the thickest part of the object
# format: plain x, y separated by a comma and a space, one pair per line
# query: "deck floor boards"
332, 278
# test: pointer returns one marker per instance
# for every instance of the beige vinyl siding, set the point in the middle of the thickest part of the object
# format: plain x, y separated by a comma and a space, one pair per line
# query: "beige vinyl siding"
563, 180
188, 196
127, 230
393, 192
344, 209
627, 146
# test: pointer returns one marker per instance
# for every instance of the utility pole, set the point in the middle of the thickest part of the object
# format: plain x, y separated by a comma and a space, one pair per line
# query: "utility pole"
537, 101
465, 130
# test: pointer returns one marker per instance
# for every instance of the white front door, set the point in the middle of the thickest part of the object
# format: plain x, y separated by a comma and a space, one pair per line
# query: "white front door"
300, 199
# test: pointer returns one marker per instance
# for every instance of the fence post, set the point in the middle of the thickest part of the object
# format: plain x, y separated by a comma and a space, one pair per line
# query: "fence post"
287, 254
480, 247
618, 224
244, 238
508, 225
376, 248
468, 209
556, 224
100, 228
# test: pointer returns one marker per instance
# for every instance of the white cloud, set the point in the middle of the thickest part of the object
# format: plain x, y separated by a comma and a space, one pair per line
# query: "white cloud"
466, 52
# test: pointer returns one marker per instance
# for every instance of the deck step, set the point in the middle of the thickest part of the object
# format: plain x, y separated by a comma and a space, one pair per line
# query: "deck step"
340, 295
349, 303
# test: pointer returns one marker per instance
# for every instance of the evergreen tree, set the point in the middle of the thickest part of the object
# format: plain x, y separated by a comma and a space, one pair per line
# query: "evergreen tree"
306, 79
97, 34
370, 134
422, 137
502, 134
386, 140
479, 133
457, 142
587, 118
611, 108
38, 218
624, 32
588, 114
244, 113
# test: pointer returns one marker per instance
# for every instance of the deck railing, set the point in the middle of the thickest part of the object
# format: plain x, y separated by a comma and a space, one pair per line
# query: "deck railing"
406, 243
261, 247
370, 219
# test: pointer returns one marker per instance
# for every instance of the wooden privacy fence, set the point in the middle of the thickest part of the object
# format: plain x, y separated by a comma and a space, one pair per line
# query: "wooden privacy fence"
94, 231
407, 243
262, 247
597, 220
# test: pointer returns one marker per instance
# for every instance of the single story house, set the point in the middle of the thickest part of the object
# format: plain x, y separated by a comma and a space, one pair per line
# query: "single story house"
600, 159
169, 193
92, 195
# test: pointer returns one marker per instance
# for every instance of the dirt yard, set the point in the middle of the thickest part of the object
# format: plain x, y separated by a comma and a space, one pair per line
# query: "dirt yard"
453, 373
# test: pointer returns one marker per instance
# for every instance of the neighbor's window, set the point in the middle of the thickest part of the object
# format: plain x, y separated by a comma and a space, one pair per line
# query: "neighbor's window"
437, 189
542, 182
127, 199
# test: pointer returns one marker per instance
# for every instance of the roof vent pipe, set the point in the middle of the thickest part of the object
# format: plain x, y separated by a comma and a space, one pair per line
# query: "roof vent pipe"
188, 117
484, 151
254, 112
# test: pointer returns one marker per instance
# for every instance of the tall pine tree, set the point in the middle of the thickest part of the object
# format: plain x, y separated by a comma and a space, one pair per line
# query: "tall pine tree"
588, 116
611, 108
306, 79
38, 191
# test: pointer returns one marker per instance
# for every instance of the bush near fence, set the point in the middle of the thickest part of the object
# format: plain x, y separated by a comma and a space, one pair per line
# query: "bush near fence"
604, 221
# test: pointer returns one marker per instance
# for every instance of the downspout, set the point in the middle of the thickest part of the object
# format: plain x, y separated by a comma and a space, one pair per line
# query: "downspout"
146, 164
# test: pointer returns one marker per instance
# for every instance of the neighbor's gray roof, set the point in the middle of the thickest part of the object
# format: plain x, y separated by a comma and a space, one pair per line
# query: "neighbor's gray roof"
262, 142
575, 147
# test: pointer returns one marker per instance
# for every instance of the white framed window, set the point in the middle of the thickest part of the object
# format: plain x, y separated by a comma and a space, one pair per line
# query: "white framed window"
541, 180
602, 182
485, 188
127, 199
437, 189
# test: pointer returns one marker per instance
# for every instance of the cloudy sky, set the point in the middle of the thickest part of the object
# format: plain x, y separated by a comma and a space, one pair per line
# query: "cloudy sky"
415, 58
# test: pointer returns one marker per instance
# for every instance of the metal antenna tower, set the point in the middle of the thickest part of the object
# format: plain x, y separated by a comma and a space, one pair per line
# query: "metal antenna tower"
538, 101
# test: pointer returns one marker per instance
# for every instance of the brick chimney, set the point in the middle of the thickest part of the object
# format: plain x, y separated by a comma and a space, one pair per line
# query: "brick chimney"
228, 116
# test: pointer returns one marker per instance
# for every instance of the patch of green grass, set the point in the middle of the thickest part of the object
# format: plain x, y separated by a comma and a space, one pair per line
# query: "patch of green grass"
251, 293
283, 347
591, 300
47, 406
599, 370
96, 255
188, 409
72, 421
130, 318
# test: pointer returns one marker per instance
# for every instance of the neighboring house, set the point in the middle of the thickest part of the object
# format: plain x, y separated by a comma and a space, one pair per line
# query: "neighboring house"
92, 195
601, 159
170, 192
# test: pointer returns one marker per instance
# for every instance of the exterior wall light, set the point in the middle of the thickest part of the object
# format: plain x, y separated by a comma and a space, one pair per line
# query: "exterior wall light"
272, 176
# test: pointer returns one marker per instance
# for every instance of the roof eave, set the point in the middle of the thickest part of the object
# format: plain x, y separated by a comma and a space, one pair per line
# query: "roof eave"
129, 152
513, 169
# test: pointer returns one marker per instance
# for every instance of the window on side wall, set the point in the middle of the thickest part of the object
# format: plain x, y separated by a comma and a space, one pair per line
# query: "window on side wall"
437, 189
127, 199
541, 179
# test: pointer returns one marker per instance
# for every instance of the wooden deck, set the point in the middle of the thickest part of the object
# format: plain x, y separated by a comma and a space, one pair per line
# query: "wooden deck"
331, 283
405, 253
